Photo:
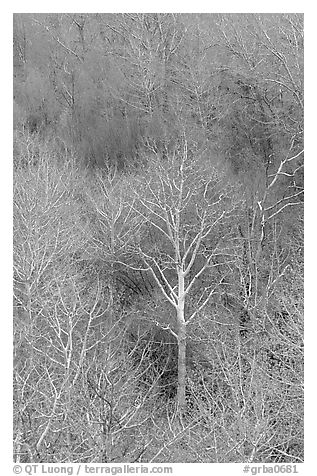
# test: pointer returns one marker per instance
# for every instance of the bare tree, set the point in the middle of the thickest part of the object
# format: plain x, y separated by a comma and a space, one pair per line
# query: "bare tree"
158, 310
45, 218
187, 208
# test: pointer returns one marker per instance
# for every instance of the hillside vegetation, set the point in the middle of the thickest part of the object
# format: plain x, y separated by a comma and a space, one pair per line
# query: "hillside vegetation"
158, 238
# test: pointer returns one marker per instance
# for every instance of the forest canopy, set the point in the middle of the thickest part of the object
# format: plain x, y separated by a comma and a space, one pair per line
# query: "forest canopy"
158, 237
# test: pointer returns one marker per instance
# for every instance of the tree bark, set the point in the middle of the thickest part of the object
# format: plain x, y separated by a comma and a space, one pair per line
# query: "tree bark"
182, 341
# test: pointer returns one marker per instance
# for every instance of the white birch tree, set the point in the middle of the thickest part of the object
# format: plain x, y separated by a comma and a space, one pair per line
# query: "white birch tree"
189, 209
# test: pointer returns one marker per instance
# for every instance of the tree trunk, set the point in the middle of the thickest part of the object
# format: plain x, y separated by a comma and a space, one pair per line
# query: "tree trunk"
181, 383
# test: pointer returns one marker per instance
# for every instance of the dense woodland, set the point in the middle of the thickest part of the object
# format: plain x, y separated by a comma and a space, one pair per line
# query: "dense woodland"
158, 238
